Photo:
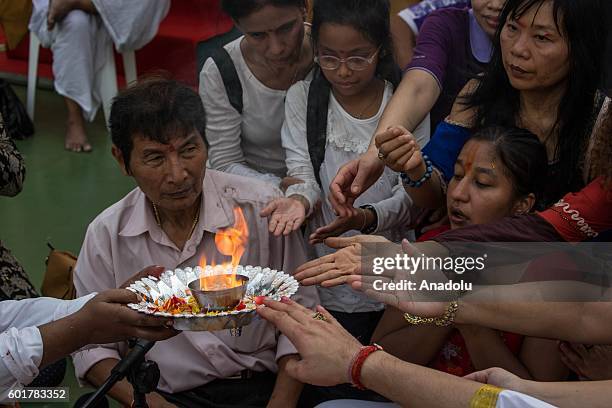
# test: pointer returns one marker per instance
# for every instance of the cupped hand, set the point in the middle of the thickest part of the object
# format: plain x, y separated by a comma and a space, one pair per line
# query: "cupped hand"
107, 319
286, 215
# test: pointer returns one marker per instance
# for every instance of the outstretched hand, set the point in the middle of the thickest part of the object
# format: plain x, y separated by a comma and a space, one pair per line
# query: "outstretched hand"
325, 347
381, 286
355, 221
336, 268
352, 180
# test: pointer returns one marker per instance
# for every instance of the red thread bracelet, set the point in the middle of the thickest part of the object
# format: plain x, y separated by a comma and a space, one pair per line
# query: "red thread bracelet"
357, 364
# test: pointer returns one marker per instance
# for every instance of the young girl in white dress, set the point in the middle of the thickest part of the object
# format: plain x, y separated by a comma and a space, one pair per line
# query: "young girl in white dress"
330, 121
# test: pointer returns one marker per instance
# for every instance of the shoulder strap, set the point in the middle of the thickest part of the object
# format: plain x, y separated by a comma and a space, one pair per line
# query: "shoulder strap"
316, 121
230, 78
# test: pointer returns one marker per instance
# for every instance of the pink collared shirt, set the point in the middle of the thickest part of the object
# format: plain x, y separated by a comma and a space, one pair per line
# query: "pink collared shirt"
125, 238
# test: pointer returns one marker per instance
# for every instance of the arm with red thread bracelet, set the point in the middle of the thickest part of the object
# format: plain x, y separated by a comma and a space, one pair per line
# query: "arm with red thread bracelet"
412, 385
357, 364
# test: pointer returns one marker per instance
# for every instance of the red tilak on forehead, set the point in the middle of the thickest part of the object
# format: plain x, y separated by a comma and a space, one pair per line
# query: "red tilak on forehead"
469, 162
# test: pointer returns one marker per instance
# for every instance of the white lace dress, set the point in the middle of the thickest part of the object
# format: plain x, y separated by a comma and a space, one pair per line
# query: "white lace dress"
347, 139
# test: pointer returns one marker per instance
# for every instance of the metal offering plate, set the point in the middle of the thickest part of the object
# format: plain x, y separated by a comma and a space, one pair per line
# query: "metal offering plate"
157, 296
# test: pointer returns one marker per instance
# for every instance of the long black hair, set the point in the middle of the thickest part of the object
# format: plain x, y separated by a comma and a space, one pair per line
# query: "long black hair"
238, 9
372, 19
523, 159
580, 22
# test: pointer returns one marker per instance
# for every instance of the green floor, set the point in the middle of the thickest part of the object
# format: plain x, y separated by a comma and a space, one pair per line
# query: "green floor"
63, 192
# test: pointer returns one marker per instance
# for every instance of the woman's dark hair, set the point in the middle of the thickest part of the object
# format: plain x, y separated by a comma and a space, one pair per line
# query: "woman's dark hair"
580, 22
238, 9
370, 18
158, 109
523, 158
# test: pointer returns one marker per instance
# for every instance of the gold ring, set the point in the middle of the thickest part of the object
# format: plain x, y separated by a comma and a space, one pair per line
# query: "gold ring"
381, 155
319, 316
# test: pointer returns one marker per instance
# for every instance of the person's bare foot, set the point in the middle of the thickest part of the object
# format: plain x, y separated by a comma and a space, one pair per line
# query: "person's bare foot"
76, 138
58, 9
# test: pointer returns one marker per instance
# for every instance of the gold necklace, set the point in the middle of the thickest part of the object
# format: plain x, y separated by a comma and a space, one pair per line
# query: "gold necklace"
368, 106
158, 219
363, 111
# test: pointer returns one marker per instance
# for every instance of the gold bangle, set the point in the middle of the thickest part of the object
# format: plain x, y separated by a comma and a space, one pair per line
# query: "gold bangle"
485, 397
447, 319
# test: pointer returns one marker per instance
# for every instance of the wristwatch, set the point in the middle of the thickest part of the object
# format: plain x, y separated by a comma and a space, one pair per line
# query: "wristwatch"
374, 226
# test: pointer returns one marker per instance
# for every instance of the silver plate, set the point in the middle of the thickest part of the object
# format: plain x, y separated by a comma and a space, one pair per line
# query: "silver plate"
262, 282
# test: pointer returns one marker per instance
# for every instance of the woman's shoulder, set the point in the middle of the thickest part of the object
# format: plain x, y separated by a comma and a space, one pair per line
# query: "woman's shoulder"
232, 48
297, 94
446, 20
299, 89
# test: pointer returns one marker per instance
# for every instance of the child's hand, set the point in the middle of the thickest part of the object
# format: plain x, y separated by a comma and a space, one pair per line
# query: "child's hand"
356, 221
286, 215
400, 151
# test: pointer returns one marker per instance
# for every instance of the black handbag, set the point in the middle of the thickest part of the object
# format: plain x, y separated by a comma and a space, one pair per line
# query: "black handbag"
17, 123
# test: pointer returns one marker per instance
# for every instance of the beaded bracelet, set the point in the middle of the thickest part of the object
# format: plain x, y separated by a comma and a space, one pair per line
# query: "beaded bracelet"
354, 373
418, 183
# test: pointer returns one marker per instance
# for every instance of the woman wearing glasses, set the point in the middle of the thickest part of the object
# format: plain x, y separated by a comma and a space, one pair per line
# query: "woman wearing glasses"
329, 121
273, 54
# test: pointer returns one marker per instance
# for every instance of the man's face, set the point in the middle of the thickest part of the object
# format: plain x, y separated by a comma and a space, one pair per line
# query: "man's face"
170, 174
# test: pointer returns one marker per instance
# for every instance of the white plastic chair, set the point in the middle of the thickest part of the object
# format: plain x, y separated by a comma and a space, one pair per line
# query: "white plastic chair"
109, 76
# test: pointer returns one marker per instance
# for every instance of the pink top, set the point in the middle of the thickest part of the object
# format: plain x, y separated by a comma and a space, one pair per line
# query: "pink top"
125, 238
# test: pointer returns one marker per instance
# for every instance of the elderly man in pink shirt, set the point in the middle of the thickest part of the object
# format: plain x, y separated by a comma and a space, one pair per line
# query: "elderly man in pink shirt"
170, 219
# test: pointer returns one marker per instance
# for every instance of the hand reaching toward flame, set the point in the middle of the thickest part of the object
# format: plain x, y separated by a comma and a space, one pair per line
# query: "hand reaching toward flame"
286, 215
358, 220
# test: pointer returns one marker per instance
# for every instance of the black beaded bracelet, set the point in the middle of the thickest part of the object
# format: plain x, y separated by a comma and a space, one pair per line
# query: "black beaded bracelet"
418, 183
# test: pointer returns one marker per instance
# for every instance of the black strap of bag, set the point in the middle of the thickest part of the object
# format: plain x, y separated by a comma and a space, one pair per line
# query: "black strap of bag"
316, 120
229, 75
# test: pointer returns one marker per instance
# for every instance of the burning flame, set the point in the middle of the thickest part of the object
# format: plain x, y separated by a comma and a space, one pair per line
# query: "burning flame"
230, 242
